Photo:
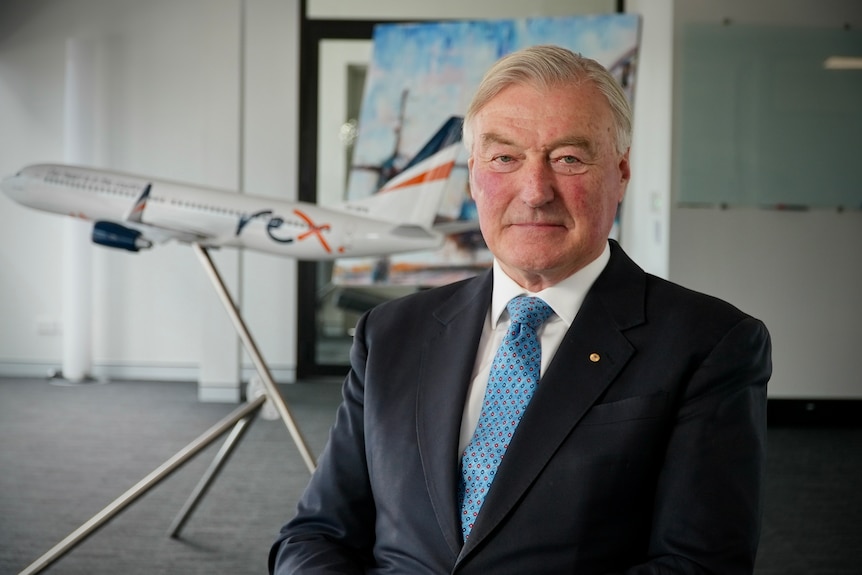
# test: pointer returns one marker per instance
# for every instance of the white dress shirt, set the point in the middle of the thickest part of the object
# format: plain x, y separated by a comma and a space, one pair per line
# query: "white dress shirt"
565, 298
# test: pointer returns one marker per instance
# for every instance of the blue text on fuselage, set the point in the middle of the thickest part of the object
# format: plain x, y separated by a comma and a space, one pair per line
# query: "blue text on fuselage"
273, 224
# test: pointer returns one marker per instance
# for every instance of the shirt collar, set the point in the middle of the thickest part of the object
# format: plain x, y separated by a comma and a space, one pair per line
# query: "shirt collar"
565, 297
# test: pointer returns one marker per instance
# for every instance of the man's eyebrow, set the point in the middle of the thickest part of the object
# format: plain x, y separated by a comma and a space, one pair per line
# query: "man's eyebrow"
493, 138
582, 142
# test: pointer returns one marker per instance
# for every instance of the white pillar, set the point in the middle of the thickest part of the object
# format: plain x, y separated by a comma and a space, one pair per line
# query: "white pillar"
79, 142
221, 349
646, 210
220, 378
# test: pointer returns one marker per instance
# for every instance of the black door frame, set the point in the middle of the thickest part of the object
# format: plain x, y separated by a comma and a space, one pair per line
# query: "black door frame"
311, 33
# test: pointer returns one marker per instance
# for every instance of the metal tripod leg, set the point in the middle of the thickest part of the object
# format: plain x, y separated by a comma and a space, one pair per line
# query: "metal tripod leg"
236, 419
272, 392
270, 389
215, 467
244, 411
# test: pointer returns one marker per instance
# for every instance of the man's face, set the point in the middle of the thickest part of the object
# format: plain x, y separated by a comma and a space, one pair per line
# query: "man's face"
547, 179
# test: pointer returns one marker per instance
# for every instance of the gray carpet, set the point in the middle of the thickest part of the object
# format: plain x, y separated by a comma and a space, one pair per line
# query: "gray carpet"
67, 452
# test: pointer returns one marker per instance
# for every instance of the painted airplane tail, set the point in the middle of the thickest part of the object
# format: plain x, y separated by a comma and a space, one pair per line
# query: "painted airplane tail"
413, 197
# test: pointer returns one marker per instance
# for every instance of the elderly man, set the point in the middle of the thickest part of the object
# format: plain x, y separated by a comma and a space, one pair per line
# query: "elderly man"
564, 412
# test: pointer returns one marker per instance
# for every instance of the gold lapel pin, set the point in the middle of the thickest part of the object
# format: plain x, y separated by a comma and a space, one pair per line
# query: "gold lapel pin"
594, 357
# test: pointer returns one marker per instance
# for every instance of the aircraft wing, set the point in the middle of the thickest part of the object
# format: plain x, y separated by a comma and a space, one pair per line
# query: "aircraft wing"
411, 231
160, 234
456, 226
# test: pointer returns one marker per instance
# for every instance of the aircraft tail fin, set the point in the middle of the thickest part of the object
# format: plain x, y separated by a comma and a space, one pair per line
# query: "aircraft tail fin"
413, 197
137, 211
448, 134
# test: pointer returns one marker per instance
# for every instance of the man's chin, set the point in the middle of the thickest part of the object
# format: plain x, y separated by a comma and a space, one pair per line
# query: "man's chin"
535, 264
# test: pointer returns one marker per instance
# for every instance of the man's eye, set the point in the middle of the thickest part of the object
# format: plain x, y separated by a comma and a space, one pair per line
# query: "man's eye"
503, 162
568, 165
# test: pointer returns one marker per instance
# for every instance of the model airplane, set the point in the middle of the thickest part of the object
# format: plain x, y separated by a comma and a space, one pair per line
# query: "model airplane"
134, 212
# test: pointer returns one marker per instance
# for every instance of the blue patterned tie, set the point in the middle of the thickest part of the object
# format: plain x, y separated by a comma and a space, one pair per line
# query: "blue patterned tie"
513, 379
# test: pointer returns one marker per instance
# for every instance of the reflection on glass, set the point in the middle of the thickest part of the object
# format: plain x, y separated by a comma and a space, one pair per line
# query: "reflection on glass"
338, 307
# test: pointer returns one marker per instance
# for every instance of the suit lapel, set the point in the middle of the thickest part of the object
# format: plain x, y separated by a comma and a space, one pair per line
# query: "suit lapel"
592, 354
444, 372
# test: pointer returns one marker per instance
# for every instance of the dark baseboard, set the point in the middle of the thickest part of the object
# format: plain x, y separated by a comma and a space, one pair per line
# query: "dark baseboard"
814, 412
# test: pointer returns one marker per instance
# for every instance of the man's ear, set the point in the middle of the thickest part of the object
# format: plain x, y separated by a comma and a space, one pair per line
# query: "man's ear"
470, 175
625, 174
625, 167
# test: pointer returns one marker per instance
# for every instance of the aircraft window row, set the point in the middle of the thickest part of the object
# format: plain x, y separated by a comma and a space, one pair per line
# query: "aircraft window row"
87, 186
206, 208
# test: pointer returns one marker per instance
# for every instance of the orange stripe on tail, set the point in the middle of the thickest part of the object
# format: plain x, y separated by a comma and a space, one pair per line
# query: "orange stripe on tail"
440, 172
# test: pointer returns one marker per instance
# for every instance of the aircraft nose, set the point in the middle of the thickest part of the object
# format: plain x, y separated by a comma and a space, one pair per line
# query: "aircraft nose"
13, 186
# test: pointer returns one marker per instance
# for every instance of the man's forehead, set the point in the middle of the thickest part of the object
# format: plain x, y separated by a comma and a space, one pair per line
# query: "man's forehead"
566, 103
566, 115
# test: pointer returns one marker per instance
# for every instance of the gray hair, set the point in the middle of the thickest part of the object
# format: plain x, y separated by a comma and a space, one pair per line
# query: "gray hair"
546, 67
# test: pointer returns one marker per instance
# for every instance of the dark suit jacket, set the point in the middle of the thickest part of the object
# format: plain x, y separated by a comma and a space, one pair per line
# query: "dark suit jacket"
648, 460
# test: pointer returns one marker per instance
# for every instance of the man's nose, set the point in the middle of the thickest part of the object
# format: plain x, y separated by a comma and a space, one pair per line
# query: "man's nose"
537, 186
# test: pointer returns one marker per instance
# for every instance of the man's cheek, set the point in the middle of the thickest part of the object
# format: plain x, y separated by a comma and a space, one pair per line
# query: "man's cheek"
486, 186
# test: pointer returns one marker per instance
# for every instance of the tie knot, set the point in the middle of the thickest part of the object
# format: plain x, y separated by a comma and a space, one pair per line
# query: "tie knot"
532, 311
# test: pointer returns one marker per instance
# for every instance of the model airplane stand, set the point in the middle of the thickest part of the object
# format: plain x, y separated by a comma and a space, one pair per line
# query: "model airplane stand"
238, 420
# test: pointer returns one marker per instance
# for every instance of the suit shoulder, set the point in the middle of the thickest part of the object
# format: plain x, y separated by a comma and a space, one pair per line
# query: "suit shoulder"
428, 300
670, 294
693, 312
632, 295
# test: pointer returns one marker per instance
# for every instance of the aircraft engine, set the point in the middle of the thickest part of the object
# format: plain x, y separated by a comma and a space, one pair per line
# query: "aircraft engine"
114, 235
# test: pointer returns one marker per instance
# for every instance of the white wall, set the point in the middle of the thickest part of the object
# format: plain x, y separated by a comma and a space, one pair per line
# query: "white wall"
171, 97
800, 272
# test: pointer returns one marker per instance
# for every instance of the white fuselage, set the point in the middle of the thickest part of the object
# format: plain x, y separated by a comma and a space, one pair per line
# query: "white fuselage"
213, 217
